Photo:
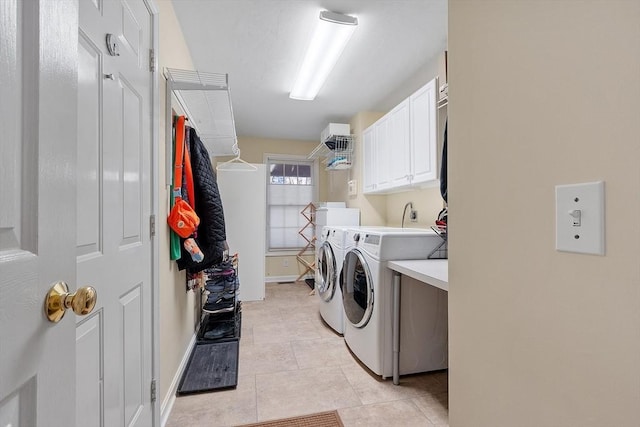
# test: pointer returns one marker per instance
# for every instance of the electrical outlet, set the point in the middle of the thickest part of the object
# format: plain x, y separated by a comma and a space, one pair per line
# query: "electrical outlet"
285, 262
352, 187
413, 216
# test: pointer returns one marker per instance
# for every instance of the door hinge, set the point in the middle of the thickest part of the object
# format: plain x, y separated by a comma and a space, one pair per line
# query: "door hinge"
152, 60
153, 390
152, 225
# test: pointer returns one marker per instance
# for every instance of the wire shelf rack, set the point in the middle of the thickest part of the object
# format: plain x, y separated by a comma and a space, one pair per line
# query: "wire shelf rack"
336, 152
205, 99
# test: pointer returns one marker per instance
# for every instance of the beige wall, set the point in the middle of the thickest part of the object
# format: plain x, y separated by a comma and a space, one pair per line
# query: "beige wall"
541, 94
253, 148
286, 267
427, 202
177, 313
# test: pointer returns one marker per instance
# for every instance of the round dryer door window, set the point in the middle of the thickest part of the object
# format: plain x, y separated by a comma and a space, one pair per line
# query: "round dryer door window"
327, 268
357, 289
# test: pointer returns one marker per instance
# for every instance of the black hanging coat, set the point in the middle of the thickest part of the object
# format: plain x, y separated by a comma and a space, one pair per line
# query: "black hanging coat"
443, 166
211, 235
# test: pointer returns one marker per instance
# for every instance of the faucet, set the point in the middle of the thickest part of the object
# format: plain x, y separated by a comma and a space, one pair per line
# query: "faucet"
404, 211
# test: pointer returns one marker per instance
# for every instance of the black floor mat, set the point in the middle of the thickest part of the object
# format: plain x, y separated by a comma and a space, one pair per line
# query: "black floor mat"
211, 366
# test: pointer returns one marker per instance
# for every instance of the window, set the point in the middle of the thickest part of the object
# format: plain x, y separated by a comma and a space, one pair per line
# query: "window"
291, 186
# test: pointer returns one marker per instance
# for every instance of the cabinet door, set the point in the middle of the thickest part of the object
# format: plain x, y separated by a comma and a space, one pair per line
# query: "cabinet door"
423, 134
383, 150
369, 156
398, 137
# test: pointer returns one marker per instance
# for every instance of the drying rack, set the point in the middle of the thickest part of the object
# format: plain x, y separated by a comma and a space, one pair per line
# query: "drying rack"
336, 152
206, 100
309, 267
441, 250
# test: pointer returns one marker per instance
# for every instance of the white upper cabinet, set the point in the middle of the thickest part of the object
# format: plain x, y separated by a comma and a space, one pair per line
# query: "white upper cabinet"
424, 138
400, 148
369, 157
383, 150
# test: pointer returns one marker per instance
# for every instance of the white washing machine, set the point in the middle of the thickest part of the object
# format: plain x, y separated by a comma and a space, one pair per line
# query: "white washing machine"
366, 286
328, 269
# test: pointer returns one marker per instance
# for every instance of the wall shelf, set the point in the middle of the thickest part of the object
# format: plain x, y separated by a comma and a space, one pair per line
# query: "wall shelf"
205, 99
336, 152
443, 95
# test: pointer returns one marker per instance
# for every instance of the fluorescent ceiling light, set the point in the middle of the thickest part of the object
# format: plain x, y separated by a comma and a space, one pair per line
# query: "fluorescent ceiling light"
329, 40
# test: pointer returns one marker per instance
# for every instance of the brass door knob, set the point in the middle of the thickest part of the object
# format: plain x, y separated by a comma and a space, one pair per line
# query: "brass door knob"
59, 299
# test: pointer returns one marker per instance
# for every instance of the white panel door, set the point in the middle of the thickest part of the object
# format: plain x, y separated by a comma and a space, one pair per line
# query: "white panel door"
38, 57
243, 192
113, 248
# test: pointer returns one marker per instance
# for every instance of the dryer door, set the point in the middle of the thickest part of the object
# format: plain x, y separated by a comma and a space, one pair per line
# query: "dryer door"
327, 269
357, 289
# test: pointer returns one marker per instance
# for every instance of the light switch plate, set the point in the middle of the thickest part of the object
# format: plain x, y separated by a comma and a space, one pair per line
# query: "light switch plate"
588, 200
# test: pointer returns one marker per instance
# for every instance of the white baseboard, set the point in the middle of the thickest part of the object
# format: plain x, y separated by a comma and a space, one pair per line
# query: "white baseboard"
282, 279
170, 398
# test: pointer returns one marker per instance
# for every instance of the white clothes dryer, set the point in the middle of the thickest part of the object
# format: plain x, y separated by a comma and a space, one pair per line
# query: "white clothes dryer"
328, 269
366, 286
321, 238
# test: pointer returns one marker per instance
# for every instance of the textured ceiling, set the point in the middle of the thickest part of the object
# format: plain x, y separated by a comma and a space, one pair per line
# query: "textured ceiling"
260, 44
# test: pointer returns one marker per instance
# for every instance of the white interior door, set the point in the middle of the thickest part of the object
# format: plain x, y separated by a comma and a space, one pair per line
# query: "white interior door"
113, 248
246, 227
38, 57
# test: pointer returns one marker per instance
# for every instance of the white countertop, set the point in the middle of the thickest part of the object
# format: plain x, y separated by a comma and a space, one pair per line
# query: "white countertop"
432, 271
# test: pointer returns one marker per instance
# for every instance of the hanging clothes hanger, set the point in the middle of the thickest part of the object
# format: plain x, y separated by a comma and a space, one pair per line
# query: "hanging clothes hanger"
237, 159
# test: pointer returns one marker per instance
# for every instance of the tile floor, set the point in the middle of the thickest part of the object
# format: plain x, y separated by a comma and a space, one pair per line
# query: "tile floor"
292, 364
